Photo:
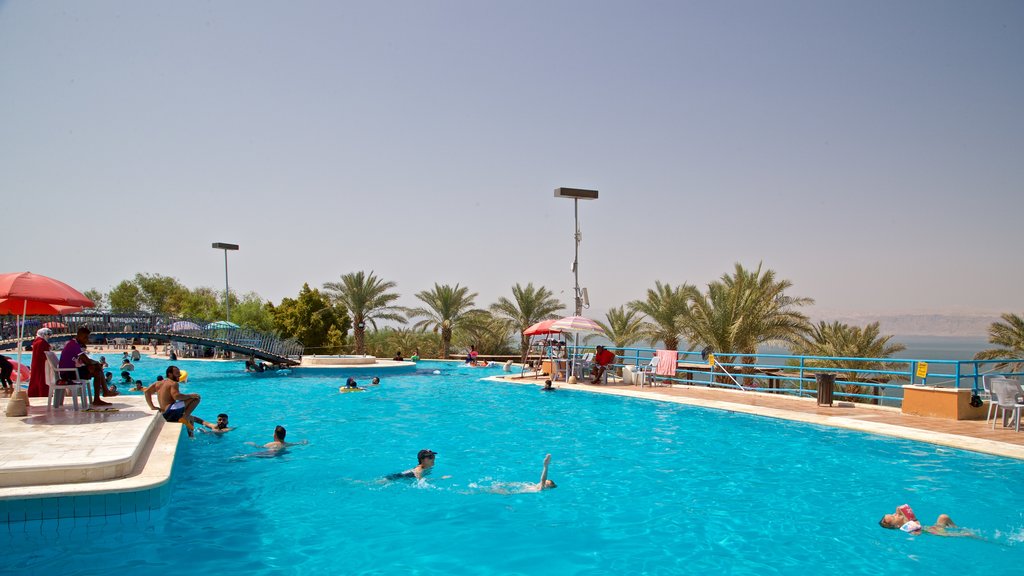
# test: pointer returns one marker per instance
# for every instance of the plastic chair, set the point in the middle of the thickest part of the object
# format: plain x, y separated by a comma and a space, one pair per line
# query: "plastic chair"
53, 381
1008, 397
647, 371
986, 383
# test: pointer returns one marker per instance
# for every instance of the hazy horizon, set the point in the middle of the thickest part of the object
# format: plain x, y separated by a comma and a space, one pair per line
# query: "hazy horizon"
869, 152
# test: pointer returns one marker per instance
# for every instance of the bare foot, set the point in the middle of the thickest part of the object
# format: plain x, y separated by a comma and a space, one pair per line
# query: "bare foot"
100, 403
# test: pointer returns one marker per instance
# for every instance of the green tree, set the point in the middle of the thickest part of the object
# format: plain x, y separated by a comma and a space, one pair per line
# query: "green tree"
528, 306
664, 308
162, 295
1008, 336
199, 304
368, 299
252, 312
623, 327
446, 307
125, 297
489, 333
97, 298
335, 340
309, 318
840, 340
743, 310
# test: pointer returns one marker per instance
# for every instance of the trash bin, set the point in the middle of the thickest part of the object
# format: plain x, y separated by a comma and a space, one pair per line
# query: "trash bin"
826, 383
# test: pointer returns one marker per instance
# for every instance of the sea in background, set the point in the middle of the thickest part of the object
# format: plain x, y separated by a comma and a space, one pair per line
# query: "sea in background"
918, 347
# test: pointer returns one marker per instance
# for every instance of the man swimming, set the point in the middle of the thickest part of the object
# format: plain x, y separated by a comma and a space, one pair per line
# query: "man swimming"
425, 462
220, 427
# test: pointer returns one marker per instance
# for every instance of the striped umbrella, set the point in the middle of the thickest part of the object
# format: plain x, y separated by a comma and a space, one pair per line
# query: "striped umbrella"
577, 324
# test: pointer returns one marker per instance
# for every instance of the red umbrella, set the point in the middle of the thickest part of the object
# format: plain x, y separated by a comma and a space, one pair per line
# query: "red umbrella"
19, 307
23, 288
542, 327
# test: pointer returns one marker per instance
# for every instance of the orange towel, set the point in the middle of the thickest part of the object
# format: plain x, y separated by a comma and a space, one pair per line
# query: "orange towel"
666, 363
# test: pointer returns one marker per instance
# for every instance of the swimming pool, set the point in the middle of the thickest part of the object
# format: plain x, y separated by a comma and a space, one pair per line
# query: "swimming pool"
644, 487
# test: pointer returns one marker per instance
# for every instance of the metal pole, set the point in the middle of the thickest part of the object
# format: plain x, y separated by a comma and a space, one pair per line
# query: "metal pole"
227, 290
576, 259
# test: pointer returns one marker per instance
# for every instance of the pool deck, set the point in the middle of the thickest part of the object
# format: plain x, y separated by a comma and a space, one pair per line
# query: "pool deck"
54, 453
974, 435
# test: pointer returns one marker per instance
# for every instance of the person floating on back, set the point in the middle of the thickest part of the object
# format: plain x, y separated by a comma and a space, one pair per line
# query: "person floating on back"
904, 519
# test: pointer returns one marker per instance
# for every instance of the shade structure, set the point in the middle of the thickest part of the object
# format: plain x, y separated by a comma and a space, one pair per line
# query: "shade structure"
221, 325
31, 308
577, 324
542, 327
25, 288
184, 326
28, 287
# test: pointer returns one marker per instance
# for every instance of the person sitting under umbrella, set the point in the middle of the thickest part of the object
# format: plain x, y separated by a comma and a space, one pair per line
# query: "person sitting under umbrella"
602, 359
73, 356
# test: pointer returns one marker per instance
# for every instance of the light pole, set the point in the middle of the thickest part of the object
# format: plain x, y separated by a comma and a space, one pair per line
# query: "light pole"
577, 194
227, 290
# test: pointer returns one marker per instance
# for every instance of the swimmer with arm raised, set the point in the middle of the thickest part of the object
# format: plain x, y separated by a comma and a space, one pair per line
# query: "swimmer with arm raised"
525, 487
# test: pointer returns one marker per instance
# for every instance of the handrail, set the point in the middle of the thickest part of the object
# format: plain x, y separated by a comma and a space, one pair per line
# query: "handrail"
860, 379
110, 325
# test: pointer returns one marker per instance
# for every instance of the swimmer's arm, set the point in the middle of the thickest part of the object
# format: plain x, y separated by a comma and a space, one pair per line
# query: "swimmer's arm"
302, 443
544, 472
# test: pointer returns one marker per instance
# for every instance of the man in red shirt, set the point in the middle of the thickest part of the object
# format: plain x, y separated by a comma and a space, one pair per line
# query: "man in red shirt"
602, 359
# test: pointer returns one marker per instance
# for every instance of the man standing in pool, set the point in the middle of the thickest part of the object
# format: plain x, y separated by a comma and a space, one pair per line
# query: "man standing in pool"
425, 462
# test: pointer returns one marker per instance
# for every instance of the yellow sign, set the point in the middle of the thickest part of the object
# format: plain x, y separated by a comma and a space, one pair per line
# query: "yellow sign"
922, 370
711, 359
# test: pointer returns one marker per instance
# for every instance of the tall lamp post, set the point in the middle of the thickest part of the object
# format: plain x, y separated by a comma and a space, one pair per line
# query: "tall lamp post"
227, 291
577, 194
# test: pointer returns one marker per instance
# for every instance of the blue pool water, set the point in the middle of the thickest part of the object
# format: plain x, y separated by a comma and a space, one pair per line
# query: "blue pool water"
644, 487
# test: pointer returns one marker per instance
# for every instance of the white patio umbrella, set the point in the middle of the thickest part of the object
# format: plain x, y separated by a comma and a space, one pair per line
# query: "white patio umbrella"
577, 325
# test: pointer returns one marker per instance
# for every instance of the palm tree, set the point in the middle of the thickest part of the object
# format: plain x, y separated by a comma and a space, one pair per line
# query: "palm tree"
446, 307
368, 299
741, 311
491, 334
1008, 335
664, 308
528, 306
623, 327
844, 341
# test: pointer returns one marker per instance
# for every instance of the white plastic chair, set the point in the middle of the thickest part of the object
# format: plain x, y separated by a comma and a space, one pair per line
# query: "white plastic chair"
1008, 397
646, 375
74, 387
986, 383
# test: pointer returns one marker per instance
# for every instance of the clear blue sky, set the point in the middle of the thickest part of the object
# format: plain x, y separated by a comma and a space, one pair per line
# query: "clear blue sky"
872, 152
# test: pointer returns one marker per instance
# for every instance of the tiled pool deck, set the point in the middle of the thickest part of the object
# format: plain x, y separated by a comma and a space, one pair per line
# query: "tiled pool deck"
59, 463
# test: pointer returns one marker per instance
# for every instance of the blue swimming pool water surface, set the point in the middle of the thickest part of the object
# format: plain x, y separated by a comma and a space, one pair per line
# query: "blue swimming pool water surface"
643, 488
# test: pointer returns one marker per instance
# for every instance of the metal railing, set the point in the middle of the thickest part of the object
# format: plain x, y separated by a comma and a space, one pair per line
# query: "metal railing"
113, 327
870, 380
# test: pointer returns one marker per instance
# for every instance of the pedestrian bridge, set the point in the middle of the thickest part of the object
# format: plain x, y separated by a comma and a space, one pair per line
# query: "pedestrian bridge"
115, 327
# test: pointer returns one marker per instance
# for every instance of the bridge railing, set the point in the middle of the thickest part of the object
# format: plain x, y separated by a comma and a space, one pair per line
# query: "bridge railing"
109, 324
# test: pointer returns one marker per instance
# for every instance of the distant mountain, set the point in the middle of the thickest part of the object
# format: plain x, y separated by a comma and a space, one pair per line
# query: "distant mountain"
917, 324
